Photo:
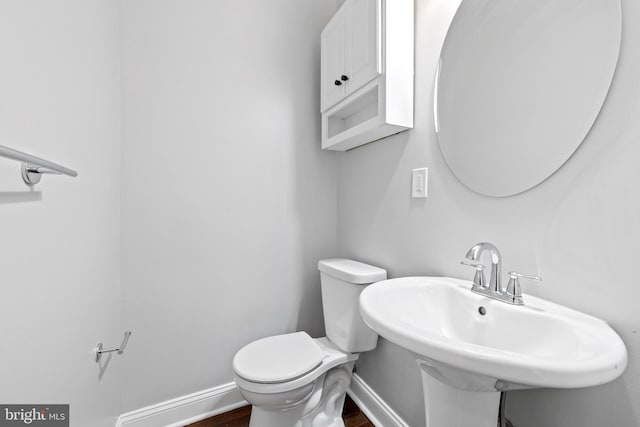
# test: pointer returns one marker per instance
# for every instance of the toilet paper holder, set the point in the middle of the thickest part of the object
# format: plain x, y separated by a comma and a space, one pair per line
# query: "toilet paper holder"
100, 350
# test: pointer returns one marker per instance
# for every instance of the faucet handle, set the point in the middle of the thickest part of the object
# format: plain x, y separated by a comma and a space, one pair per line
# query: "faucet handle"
478, 279
513, 287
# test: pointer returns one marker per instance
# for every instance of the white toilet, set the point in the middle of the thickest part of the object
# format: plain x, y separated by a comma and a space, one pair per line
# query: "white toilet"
293, 380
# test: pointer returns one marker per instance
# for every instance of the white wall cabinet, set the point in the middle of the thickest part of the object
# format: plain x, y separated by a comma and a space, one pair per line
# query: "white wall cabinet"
350, 50
366, 72
333, 61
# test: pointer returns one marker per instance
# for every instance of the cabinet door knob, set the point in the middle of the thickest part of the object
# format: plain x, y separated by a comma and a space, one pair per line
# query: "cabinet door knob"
344, 78
338, 83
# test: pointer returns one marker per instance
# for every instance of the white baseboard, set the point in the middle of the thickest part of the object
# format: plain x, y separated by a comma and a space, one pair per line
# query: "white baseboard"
185, 410
197, 406
376, 409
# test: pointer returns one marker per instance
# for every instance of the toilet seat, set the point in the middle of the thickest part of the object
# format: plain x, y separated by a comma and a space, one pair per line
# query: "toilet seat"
331, 356
278, 358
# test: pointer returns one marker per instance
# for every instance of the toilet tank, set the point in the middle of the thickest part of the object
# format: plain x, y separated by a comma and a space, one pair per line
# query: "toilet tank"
342, 281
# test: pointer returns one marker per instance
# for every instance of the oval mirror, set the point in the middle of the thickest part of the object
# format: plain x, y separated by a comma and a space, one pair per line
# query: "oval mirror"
519, 85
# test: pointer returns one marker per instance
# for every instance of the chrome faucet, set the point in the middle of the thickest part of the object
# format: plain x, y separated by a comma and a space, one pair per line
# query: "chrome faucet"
512, 294
474, 255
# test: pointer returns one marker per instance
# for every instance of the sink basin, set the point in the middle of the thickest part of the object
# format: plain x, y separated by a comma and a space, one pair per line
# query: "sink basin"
475, 344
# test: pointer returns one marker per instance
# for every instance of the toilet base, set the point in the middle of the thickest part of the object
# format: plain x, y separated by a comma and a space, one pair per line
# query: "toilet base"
322, 407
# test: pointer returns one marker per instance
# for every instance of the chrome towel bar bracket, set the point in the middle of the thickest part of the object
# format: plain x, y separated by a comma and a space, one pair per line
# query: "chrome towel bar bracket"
32, 174
100, 350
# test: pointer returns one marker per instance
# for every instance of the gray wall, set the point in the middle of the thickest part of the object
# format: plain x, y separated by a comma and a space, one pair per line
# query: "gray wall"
579, 230
60, 246
228, 201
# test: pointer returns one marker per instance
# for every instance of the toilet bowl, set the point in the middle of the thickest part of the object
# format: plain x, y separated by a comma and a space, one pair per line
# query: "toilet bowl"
294, 398
293, 380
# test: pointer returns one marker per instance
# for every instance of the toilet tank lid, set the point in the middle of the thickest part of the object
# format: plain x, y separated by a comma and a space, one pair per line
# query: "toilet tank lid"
352, 271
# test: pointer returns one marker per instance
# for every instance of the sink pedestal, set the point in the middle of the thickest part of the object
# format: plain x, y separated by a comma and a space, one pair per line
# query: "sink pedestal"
448, 406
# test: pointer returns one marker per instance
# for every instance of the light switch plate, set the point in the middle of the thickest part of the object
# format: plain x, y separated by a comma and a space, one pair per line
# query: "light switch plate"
419, 181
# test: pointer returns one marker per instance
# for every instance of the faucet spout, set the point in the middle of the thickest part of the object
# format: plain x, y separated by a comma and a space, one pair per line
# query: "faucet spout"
476, 252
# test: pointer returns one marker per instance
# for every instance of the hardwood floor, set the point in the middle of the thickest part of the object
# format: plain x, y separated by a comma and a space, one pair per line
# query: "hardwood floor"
236, 418
351, 415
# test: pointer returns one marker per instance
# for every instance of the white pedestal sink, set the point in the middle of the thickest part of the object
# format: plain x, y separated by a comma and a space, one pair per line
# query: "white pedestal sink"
470, 348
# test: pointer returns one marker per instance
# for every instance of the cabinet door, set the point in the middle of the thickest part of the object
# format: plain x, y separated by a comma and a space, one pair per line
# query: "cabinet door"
363, 45
332, 59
